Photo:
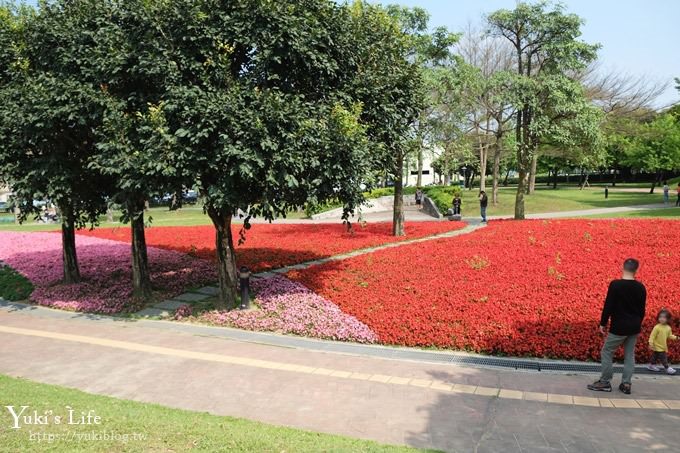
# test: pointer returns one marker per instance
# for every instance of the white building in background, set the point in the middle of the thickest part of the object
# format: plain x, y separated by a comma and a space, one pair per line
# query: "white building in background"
429, 176
4, 193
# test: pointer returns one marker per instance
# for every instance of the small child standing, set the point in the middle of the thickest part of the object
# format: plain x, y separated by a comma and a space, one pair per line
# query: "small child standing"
658, 342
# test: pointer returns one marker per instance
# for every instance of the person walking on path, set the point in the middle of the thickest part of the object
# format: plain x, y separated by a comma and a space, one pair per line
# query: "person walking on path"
625, 307
677, 202
666, 194
658, 342
483, 203
419, 198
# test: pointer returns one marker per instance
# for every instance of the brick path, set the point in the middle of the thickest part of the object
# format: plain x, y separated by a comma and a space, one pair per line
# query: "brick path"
395, 401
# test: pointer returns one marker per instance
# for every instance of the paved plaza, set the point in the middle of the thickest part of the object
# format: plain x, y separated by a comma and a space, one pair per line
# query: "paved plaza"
410, 402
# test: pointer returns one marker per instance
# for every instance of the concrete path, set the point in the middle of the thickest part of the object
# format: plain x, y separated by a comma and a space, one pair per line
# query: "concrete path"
394, 401
416, 216
591, 212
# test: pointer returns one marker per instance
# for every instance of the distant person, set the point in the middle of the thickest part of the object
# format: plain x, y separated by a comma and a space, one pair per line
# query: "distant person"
483, 203
666, 193
419, 198
457, 202
625, 307
677, 202
658, 342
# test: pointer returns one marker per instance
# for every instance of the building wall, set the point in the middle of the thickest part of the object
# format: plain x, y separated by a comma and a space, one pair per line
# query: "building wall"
4, 193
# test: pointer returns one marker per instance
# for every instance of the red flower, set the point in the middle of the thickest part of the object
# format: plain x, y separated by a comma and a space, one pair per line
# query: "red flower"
530, 288
271, 246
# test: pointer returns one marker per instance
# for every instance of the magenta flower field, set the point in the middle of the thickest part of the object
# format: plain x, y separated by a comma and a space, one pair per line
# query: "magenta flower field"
289, 307
105, 268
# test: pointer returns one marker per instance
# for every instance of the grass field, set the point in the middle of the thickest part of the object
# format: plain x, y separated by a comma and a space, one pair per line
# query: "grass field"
13, 285
668, 213
162, 428
543, 200
188, 216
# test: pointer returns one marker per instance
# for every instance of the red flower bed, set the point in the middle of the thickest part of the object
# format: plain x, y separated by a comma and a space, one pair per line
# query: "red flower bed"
530, 288
271, 246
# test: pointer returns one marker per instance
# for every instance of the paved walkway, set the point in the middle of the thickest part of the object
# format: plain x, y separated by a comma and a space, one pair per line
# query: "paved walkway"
395, 401
590, 212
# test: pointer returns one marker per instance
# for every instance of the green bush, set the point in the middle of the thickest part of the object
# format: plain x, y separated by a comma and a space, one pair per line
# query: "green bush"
442, 196
13, 285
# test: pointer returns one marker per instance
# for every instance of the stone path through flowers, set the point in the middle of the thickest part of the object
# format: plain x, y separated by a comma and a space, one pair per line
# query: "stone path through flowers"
166, 308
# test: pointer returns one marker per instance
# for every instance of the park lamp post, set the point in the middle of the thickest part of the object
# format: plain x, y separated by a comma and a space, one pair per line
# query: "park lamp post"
464, 176
244, 280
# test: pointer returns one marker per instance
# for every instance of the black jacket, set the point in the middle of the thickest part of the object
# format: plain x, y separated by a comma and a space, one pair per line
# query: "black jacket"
625, 306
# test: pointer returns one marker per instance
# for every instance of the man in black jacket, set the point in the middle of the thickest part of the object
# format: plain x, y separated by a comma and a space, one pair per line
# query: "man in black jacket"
625, 307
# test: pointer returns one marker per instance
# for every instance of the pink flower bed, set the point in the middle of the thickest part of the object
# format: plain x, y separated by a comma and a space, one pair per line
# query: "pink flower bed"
289, 307
105, 267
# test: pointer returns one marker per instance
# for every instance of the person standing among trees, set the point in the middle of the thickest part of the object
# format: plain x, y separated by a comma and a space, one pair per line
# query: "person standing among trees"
625, 307
419, 198
666, 190
483, 203
677, 202
457, 202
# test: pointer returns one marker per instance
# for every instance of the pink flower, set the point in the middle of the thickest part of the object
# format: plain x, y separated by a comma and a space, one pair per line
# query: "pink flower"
105, 267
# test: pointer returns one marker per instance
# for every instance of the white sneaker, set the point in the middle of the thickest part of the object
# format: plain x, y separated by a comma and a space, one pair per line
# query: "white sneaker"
670, 370
653, 368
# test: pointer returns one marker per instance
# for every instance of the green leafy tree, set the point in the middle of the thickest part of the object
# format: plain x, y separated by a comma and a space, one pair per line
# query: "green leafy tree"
656, 147
389, 84
547, 49
47, 134
120, 51
261, 115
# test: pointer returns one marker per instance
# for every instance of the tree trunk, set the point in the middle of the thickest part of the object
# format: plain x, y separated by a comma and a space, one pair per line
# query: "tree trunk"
483, 158
471, 181
532, 174
582, 180
398, 213
505, 180
657, 180
419, 180
141, 280
496, 176
519, 198
226, 258
555, 174
68, 245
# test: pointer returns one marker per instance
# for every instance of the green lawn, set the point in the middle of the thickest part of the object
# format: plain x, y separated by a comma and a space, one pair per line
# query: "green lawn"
668, 213
544, 200
164, 429
14, 286
188, 216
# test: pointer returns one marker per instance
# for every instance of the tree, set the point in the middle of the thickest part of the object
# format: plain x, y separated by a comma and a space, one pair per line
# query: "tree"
430, 51
391, 88
47, 136
119, 51
656, 147
547, 49
264, 114
487, 97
